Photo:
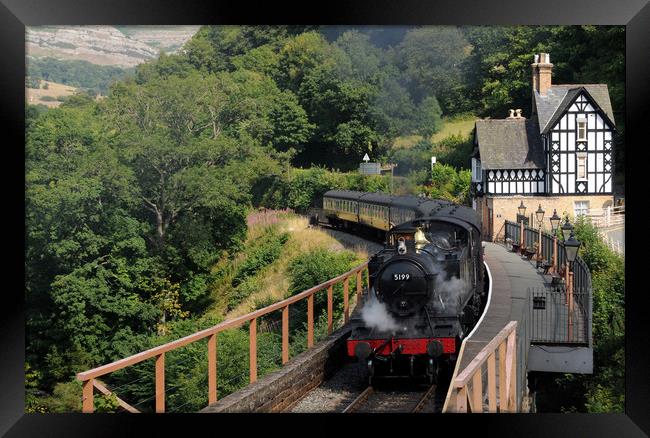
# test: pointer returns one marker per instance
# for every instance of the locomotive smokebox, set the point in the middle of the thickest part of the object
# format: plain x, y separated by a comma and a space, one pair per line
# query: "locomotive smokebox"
405, 283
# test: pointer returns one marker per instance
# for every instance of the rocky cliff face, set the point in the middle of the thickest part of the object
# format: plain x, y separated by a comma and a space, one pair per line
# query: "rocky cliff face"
106, 45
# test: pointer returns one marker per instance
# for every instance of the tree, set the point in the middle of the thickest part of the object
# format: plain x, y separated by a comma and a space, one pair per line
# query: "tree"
431, 57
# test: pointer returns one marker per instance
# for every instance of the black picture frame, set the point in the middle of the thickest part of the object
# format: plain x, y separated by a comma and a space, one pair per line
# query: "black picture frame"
16, 14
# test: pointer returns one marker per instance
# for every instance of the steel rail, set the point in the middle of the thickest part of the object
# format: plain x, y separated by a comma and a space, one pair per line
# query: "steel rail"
369, 391
359, 400
424, 399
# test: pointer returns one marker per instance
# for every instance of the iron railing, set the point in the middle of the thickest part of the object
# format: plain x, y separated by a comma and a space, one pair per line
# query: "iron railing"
556, 317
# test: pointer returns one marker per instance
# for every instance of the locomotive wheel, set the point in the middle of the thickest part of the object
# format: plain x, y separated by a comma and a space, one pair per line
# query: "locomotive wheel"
371, 372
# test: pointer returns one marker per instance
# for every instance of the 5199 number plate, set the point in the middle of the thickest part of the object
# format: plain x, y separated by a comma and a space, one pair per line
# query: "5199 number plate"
401, 277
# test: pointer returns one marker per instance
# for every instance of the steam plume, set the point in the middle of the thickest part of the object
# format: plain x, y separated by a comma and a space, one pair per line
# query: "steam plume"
376, 316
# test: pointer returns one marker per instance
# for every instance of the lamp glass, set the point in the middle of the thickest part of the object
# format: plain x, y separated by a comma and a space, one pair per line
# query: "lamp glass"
571, 246
522, 209
555, 221
539, 214
567, 229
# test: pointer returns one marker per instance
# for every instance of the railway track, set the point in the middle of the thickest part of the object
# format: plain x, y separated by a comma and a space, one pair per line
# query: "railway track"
386, 401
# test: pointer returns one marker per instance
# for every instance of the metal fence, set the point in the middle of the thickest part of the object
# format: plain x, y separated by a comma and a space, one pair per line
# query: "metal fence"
556, 318
559, 319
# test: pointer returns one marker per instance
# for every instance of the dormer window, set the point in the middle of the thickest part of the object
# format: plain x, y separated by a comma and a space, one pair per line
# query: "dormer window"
582, 129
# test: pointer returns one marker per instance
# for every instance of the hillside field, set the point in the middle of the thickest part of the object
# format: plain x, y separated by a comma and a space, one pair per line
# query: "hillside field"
455, 126
49, 97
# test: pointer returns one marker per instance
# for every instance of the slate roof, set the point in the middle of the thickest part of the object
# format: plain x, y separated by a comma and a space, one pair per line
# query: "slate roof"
510, 144
559, 97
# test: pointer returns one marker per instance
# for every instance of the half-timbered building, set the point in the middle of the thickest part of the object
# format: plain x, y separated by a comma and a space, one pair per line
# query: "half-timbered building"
562, 157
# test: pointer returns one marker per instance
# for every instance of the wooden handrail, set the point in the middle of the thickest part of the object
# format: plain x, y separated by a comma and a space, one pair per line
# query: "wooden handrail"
505, 344
464, 377
88, 377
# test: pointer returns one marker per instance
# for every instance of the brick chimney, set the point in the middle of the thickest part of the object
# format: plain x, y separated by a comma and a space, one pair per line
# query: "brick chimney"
542, 68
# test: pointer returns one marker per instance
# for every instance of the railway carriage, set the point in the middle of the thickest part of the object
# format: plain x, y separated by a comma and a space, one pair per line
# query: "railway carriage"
428, 280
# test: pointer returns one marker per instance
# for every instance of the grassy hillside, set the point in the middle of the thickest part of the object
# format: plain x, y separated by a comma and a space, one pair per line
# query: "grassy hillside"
52, 96
456, 126
453, 126
271, 282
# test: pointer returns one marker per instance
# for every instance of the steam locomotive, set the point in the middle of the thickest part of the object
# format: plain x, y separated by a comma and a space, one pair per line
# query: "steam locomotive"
426, 285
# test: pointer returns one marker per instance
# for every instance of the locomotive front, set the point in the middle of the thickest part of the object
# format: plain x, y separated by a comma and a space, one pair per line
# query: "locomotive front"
422, 280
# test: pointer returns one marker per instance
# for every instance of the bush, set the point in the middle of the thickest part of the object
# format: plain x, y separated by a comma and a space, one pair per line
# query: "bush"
604, 391
448, 183
316, 267
304, 188
454, 150
262, 253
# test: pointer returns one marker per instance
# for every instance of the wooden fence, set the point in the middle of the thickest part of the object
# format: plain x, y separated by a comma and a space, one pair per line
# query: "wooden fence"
468, 386
90, 378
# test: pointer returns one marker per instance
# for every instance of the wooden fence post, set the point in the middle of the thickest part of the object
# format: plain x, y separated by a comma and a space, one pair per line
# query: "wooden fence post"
477, 392
253, 350
503, 387
212, 368
310, 321
330, 311
492, 383
359, 287
285, 335
160, 383
88, 401
346, 306
461, 400
511, 371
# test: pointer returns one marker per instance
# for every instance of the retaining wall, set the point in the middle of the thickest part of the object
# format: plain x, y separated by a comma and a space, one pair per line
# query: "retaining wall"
280, 390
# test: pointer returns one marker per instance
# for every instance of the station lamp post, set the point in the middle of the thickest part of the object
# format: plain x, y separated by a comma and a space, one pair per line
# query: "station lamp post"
571, 246
520, 218
539, 215
555, 223
567, 229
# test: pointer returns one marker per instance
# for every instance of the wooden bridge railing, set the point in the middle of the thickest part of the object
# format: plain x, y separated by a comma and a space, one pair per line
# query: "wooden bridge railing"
468, 385
89, 378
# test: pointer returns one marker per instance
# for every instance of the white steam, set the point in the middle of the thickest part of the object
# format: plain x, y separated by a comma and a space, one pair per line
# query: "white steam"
448, 291
376, 316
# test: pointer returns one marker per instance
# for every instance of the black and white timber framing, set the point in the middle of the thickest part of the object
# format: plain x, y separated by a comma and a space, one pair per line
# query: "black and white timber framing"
565, 148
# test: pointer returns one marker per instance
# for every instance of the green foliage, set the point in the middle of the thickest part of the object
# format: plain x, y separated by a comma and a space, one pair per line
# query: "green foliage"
604, 390
431, 58
449, 183
304, 187
454, 151
316, 267
81, 74
265, 251
131, 200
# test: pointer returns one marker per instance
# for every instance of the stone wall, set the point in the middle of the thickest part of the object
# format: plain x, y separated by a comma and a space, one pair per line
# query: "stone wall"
505, 208
280, 390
